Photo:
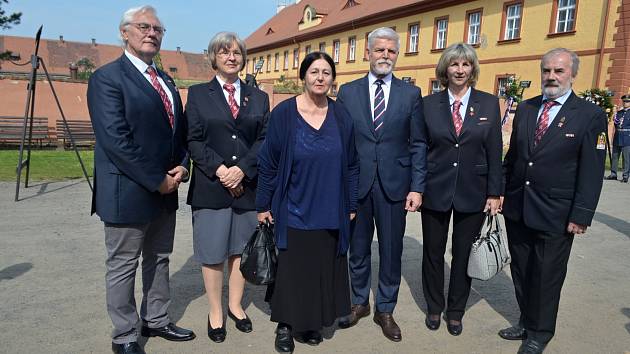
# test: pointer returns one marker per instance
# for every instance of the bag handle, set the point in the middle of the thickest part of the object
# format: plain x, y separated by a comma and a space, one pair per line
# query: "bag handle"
488, 220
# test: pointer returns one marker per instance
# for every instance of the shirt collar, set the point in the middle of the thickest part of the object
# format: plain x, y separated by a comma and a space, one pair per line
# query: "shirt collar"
138, 63
237, 83
560, 100
463, 100
386, 80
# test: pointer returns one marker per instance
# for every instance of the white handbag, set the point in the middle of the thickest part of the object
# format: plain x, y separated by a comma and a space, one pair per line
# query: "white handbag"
489, 253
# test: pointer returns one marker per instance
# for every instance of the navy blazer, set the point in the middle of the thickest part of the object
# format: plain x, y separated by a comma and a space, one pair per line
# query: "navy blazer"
464, 170
275, 159
622, 129
397, 152
216, 138
135, 144
560, 180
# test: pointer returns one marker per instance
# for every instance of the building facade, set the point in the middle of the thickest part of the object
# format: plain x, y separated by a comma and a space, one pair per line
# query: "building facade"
510, 37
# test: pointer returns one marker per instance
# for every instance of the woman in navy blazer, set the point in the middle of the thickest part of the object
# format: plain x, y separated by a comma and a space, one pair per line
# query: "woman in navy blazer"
463, 179
308, 179
226, 126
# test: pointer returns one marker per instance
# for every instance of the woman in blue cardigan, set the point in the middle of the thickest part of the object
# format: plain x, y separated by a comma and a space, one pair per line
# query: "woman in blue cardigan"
307, 185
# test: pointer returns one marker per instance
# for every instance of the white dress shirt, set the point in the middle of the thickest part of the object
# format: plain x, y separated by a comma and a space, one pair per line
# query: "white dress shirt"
386, 86
142, 67
237, 93
464, 100
553, 111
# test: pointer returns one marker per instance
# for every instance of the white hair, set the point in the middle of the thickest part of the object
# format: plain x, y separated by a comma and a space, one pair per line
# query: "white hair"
127, 17
383, 33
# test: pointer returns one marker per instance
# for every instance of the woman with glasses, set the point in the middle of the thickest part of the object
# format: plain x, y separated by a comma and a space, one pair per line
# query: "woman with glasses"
226, 125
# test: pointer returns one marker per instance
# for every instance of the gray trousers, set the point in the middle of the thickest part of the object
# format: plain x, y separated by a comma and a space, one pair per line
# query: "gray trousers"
624, 151
125, 243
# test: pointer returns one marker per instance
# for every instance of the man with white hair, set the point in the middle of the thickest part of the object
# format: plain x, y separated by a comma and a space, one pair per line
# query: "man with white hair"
553, 178
139, 161
391, 142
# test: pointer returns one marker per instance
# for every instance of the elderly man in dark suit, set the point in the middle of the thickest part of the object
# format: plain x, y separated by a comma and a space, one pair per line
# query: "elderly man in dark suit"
390, 140
139, 161
553, 178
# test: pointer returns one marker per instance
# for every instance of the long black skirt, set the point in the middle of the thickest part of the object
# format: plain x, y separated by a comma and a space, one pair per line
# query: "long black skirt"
312, 287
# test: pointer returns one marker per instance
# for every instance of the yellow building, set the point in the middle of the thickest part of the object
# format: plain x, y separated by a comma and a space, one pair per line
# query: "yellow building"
510, 37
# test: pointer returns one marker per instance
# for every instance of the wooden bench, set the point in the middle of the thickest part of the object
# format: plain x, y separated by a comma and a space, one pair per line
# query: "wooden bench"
11, 129
81, 130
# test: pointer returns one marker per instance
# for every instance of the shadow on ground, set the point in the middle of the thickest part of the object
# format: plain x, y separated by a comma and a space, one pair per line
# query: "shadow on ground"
14, 271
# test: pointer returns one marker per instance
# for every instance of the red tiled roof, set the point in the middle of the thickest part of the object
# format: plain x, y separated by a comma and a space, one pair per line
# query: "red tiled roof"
284, 25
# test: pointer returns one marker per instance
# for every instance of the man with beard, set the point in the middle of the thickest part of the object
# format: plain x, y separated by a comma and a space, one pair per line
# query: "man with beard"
553, 178
391, 142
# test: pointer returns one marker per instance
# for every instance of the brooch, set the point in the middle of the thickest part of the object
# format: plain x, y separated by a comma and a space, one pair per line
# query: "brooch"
245, 99
561, 123
472, 111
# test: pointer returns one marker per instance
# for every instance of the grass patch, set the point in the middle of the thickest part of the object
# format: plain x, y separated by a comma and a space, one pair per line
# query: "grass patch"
46, 165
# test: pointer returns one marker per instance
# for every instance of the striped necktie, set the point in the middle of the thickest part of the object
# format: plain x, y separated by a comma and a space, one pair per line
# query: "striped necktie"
379, 105
160, 90
231, 100
543, 122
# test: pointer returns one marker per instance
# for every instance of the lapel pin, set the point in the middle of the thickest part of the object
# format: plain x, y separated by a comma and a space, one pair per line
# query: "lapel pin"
561, 123
472, 111
245, 99
481, 119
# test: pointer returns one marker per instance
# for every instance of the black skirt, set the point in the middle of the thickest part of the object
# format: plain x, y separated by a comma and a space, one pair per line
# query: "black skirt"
312, 287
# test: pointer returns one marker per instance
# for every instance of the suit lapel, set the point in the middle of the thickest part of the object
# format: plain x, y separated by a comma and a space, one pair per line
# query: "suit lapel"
445, 111
470, 114
174, 93
564, 115
364, 98
135, 76
532, 119
392, 103
218, 98
246, 91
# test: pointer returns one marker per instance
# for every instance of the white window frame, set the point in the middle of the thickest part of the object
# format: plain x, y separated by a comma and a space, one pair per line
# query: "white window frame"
352, 48
565, 18
513, 15
474, 27
440, 34
296, 57
322, 47
286, 60
276, 65
413, 38
435, 86
336, 48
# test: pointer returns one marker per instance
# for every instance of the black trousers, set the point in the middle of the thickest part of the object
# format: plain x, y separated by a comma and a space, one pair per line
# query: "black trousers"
434, 235
539, 267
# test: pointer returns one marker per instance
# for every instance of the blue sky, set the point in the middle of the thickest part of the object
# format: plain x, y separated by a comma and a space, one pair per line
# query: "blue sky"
189, 24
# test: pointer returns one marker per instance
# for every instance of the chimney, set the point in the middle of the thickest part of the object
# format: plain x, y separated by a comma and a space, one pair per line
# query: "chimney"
74, 71
61, 38
93, 42
179, 50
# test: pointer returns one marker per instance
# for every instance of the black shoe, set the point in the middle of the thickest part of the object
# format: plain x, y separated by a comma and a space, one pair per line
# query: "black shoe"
284, 339
454, 329
216, 335
169, 332
311, 337
513, 333
531, 346
611, 177
432, 324
625, 180
243, 325
127, 348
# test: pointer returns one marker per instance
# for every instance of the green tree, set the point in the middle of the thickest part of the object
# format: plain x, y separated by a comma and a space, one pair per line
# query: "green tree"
6, 21
86, 67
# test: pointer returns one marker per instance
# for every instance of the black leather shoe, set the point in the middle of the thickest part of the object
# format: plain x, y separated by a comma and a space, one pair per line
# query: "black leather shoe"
531, 346
243, 325
216, 335
625, 180
513, 333
432, 324
454, 329
169, 332
284, 339
610, 177
127, 348
312, 337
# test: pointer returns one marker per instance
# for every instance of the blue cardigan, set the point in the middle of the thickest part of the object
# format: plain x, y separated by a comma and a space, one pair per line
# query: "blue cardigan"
275, 159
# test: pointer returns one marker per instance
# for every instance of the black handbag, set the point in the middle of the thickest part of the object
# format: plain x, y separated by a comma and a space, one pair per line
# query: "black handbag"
259, 260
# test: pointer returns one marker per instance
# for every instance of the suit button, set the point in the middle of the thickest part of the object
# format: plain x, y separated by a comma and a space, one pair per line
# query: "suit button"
454, 164
233, 136
531, 164
527, 183
456, 145
233, 157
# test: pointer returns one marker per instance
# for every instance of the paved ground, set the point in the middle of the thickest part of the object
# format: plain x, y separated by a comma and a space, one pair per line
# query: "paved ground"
52, 288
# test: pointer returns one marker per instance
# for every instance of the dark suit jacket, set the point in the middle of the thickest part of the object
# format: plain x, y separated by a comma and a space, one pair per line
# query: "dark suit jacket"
215, 138
559, 180
464, 170
135, 144
398, 151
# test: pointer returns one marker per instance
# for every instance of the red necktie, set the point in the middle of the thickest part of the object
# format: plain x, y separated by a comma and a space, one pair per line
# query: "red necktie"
543, 122
231, 100
162, 93
457, 117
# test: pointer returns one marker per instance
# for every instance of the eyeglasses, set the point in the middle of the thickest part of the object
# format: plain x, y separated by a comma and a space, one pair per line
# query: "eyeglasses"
226, 54
145, 28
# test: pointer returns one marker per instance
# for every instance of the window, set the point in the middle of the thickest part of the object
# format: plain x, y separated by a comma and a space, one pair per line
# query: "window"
276, 64
254, 65
473, 27
511, 29
352, 48
307, 50
565, 16
441, 28
501, 84
322, 47
412, 38
172, 69
286, 60
269, 63
365, 52
435, 86
336, 51
296, 57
